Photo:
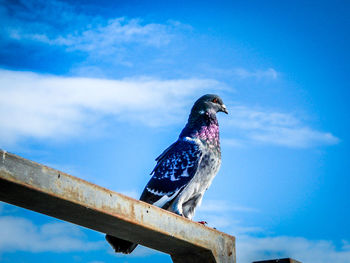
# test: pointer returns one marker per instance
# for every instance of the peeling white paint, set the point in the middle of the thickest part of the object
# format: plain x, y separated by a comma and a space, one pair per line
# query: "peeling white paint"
3, 156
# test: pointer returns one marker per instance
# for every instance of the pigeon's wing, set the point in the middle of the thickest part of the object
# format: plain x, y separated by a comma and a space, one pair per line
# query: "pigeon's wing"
175, 167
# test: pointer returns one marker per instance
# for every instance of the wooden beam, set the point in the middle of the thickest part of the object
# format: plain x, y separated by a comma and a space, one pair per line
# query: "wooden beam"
51, 192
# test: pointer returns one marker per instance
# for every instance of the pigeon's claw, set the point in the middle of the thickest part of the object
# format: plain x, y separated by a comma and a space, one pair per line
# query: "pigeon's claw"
203, 222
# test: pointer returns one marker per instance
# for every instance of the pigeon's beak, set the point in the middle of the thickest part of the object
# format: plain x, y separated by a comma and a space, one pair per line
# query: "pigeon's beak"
224, 109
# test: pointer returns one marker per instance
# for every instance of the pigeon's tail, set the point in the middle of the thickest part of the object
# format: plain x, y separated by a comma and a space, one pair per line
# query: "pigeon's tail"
120, 245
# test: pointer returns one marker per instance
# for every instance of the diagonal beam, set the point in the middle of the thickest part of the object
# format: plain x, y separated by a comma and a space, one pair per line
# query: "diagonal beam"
48, 191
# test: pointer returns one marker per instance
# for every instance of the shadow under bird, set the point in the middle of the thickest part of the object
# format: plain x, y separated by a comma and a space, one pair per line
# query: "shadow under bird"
185, 170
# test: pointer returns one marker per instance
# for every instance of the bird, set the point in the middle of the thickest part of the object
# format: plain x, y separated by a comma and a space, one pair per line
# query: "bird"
184, 170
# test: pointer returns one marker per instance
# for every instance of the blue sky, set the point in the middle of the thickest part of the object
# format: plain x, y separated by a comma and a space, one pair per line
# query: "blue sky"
99, 89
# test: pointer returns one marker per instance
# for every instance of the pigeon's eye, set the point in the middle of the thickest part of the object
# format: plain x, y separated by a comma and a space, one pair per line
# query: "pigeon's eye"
215, 100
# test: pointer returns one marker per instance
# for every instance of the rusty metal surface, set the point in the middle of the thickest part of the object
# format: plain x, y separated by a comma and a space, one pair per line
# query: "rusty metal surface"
42, 189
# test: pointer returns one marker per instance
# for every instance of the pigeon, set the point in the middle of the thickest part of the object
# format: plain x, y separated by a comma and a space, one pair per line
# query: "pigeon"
185, 170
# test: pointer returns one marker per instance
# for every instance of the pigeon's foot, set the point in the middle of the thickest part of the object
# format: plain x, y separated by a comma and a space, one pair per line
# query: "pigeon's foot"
203, 222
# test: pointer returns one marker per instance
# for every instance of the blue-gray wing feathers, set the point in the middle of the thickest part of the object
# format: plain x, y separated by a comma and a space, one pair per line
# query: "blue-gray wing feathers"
175, 168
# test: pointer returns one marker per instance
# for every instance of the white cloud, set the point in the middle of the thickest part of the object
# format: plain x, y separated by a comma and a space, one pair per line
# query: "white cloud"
44, 106
346, 244
20, 234
232, 142
294, 136
72, 37
251, 249
139, 252
270, 73
254, 243
51, 107
223, 206
277, 128
62, 24
104, 38
240, 73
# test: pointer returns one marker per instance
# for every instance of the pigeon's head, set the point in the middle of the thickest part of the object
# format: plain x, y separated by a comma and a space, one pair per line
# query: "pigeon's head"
203, 116
209, 103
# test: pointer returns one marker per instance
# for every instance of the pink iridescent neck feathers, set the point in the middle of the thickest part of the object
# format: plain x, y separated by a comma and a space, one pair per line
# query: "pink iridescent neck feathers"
209, 133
